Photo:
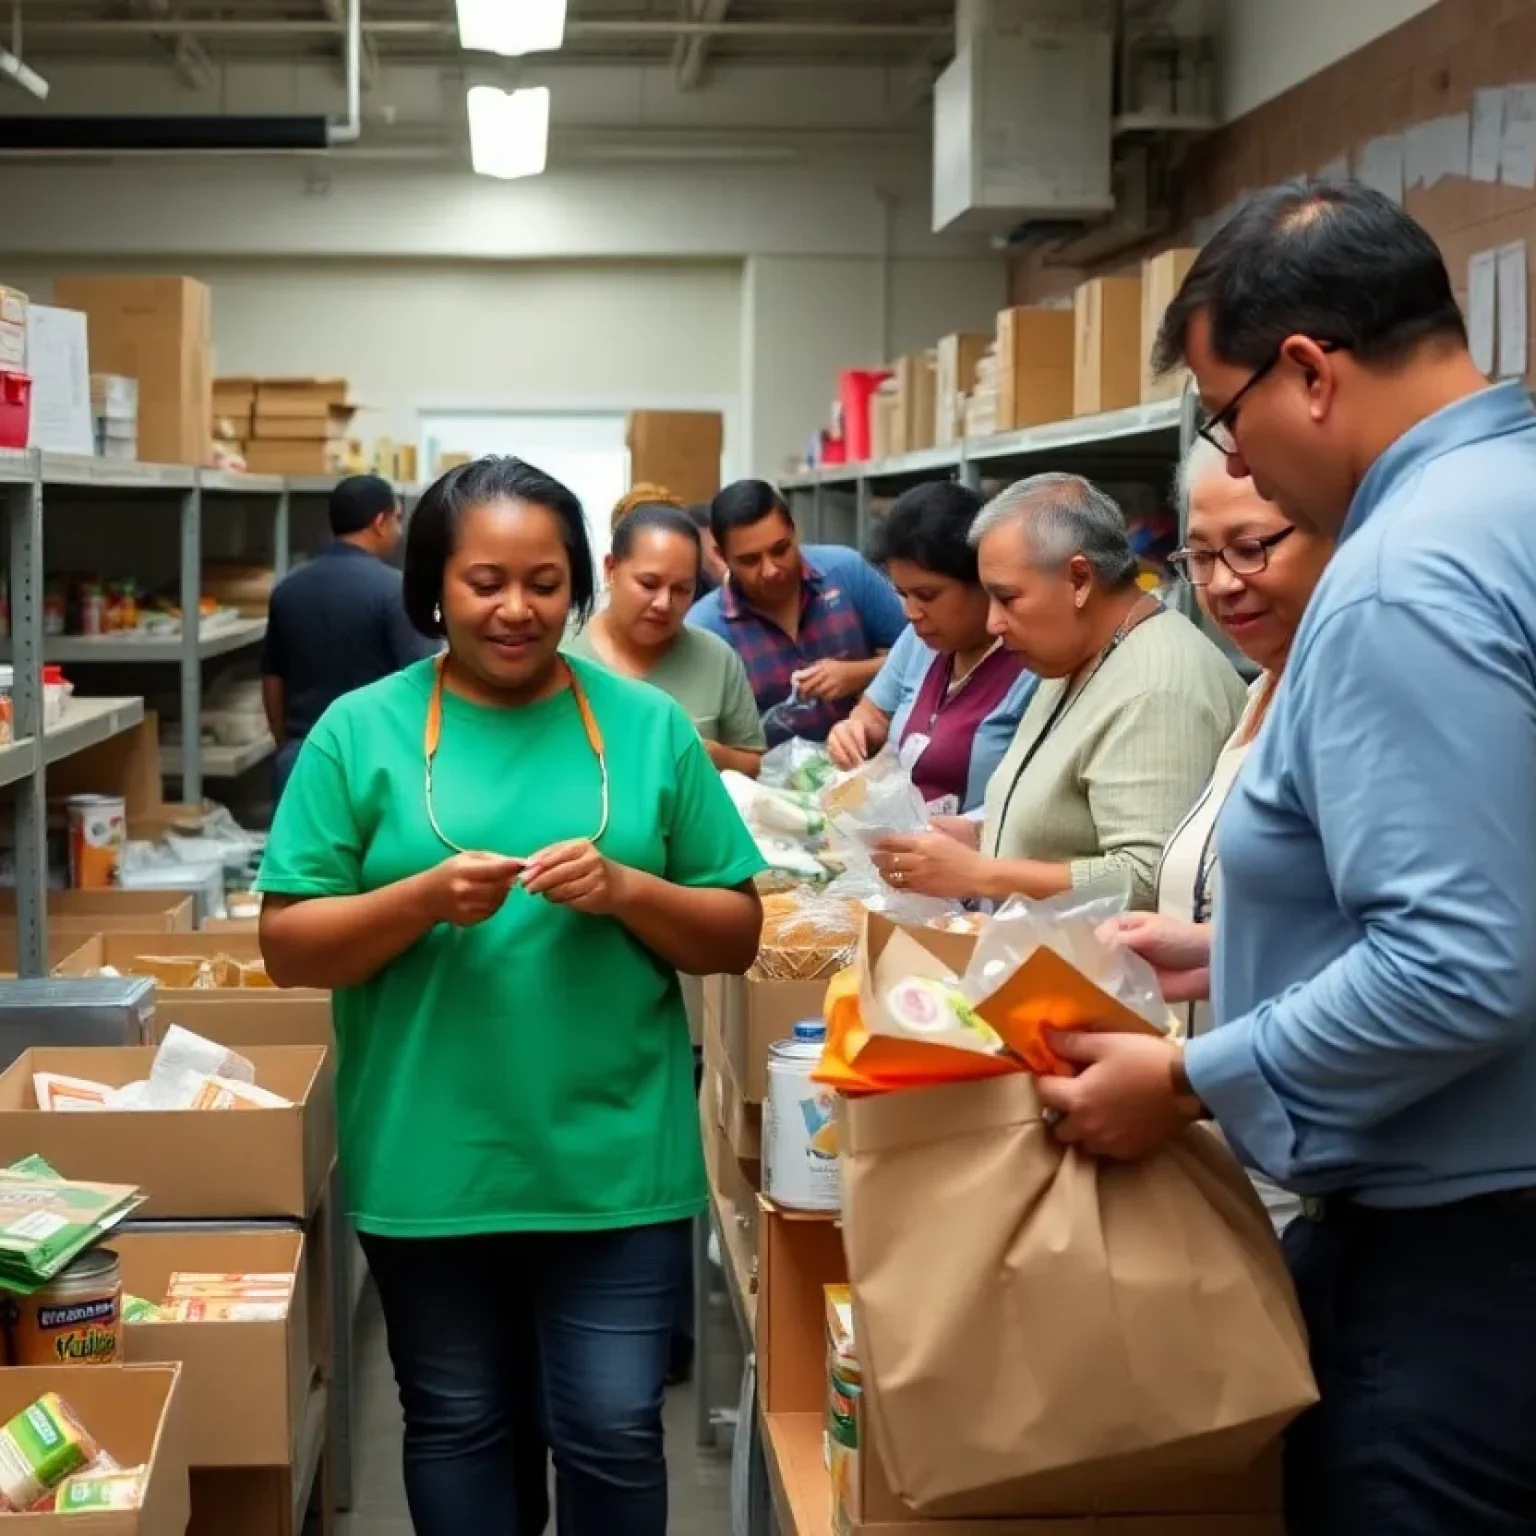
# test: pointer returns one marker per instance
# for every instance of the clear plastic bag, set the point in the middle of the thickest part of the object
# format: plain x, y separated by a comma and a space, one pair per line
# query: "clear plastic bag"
876, 801
796, 764
776, 812
860, 881
1068, 924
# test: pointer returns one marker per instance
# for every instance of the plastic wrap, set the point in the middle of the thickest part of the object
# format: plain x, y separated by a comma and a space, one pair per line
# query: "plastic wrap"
860, 882
876, 801
807, 934
1067, 924
796, 764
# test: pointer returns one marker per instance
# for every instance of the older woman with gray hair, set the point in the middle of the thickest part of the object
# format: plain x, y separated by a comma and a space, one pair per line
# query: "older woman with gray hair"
1132, 710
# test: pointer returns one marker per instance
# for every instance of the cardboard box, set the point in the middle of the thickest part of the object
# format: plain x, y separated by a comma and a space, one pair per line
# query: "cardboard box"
328, 424
882, 424
67, 952
273, 1362
677, 450
1161, 278
1106, 372
757, 1013
300, 397
1034, 366
209, 1165
155, 330
248, 1018
136, 1412
297, 456
735, 1199
741, 1121
140, 911
799, 1255
955, 372
913, 425
13, 330
981, 413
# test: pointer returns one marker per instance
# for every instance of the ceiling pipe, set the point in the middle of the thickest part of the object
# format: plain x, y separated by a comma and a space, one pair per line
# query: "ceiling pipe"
351, 130
617, 31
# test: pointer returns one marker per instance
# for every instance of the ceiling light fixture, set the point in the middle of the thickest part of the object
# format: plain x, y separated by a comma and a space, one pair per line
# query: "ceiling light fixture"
511, 27
509, 131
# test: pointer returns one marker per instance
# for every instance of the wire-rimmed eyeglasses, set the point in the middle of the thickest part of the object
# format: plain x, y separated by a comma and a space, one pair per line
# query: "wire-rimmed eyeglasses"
1243, 557
1218, 428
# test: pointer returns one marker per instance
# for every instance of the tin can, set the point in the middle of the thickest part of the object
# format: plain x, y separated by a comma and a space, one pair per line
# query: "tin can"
76, 1319
98, 828
800, 1126
92, 609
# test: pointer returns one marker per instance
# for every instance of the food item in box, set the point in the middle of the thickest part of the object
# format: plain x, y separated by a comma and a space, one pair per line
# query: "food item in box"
76, 1319
262, 1285
223, 1309
137, 1310
46, 1221
225, 1093
56, 1091
845, 1387
98, 828
95, 1489
100, 1464
925, 1007
183, 1055
256, 1297
800, 1151
39, 1448
805, 936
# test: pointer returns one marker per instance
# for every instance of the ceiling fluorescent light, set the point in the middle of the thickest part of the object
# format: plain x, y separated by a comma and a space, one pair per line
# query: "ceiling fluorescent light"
509, 131
511, 27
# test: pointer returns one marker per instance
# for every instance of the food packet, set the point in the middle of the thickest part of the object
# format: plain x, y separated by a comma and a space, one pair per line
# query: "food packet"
222, 1309
225, 1093
182, 1064
90, 1492
876, 801
806, 935
271, 1285
797, 764
39, 1448
102, 1462
137, 1310
59, 1092
1041, 965
775, 811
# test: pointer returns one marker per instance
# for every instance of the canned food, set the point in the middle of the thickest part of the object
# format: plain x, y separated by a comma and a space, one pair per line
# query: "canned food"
98, 828
76, 1319
800, 1126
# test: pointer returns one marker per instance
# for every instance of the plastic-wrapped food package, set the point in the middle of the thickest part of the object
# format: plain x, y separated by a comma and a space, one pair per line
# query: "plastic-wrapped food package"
876, 801
797, 764
807, 934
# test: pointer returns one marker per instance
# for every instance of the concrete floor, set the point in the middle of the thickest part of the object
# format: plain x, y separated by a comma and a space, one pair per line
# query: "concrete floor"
701, 1499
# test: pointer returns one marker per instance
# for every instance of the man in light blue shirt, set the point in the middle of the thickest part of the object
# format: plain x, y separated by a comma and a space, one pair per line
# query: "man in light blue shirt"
1375, 954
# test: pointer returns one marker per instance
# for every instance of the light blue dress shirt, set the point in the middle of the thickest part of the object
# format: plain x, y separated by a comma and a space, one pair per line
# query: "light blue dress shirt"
1375, 958
895, 690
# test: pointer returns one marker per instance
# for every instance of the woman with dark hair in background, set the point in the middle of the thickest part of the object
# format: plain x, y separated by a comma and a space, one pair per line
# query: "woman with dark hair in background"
653, 574
499, 859
949, 696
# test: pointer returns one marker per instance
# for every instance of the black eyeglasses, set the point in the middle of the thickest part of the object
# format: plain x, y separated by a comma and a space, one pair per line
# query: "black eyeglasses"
1243, 557
1217, 429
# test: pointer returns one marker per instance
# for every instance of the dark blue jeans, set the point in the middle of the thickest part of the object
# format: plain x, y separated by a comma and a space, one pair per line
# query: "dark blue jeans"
506, 1344
1423, 1330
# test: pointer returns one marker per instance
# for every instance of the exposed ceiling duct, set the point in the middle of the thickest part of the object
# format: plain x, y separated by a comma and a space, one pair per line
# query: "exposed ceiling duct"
188, 134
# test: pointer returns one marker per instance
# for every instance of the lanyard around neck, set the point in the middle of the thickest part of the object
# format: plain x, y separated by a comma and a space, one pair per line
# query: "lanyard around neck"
433, 736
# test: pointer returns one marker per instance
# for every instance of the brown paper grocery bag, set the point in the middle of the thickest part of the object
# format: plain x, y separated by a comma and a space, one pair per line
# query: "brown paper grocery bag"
1045, 1332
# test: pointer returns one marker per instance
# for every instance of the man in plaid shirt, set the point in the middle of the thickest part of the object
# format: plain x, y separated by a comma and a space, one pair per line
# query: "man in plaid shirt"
812, 625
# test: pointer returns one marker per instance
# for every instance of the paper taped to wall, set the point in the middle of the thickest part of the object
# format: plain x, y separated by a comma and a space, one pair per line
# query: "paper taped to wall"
1512, 310
1381, 165
1517, 156
1482, 272
1487, 134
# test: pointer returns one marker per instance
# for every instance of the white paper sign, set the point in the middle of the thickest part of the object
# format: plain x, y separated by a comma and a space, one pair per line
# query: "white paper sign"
61, 381
1481, 290
1381, 165
1452, 140
1517, 157
1487, 134
1512, 310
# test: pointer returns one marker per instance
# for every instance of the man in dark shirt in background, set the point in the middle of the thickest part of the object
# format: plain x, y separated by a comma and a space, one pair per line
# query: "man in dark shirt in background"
337, 622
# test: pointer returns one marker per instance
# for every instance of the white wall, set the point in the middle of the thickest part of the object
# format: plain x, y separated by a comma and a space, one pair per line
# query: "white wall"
1270, 45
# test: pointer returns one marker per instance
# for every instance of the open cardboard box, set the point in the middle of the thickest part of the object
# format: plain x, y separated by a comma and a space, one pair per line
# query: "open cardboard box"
106, 910
136, 954
209, 1164
67, 952
137, 1412
254, 1424
247, 1017
799, 1255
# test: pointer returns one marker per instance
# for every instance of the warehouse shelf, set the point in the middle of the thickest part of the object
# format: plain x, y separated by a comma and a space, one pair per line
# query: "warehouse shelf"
219, 762
130, 647
18, 466
240, 483
1154, 427
18, 760
309, 1453
87, 722
114, 474
798, 1480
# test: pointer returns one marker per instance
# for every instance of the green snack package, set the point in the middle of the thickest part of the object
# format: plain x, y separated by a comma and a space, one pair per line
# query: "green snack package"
39, 1448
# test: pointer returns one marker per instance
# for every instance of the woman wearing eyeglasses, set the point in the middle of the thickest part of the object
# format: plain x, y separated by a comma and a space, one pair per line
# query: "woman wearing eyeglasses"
499, 860
1253, 573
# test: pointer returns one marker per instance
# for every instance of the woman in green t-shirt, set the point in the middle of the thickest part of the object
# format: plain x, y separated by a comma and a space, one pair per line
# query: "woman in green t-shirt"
500, 859
653, 575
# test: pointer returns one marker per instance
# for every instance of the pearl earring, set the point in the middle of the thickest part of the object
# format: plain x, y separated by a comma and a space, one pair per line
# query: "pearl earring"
437, 613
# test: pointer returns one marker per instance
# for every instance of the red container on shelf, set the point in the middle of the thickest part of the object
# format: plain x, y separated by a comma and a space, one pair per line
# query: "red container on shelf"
856, 392
834, 450
15, 409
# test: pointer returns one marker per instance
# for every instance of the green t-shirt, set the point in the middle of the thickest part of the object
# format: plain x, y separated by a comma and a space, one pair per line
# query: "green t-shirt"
532, 1072
707, 678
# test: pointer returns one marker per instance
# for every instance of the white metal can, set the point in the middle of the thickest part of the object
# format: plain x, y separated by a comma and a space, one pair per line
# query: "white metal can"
800, 1126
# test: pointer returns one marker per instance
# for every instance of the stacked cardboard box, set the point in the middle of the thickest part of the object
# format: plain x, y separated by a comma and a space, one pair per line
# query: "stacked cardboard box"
912, 428
883, 409
15, 381
154, 330
955, 373
1107, 369
115, 415
981, 400
1034, 367
234, 406
13, 330
1161, 277
678, 450
299, 427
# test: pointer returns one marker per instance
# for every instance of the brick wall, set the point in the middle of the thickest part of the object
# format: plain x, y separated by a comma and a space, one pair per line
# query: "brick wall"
1424, 69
